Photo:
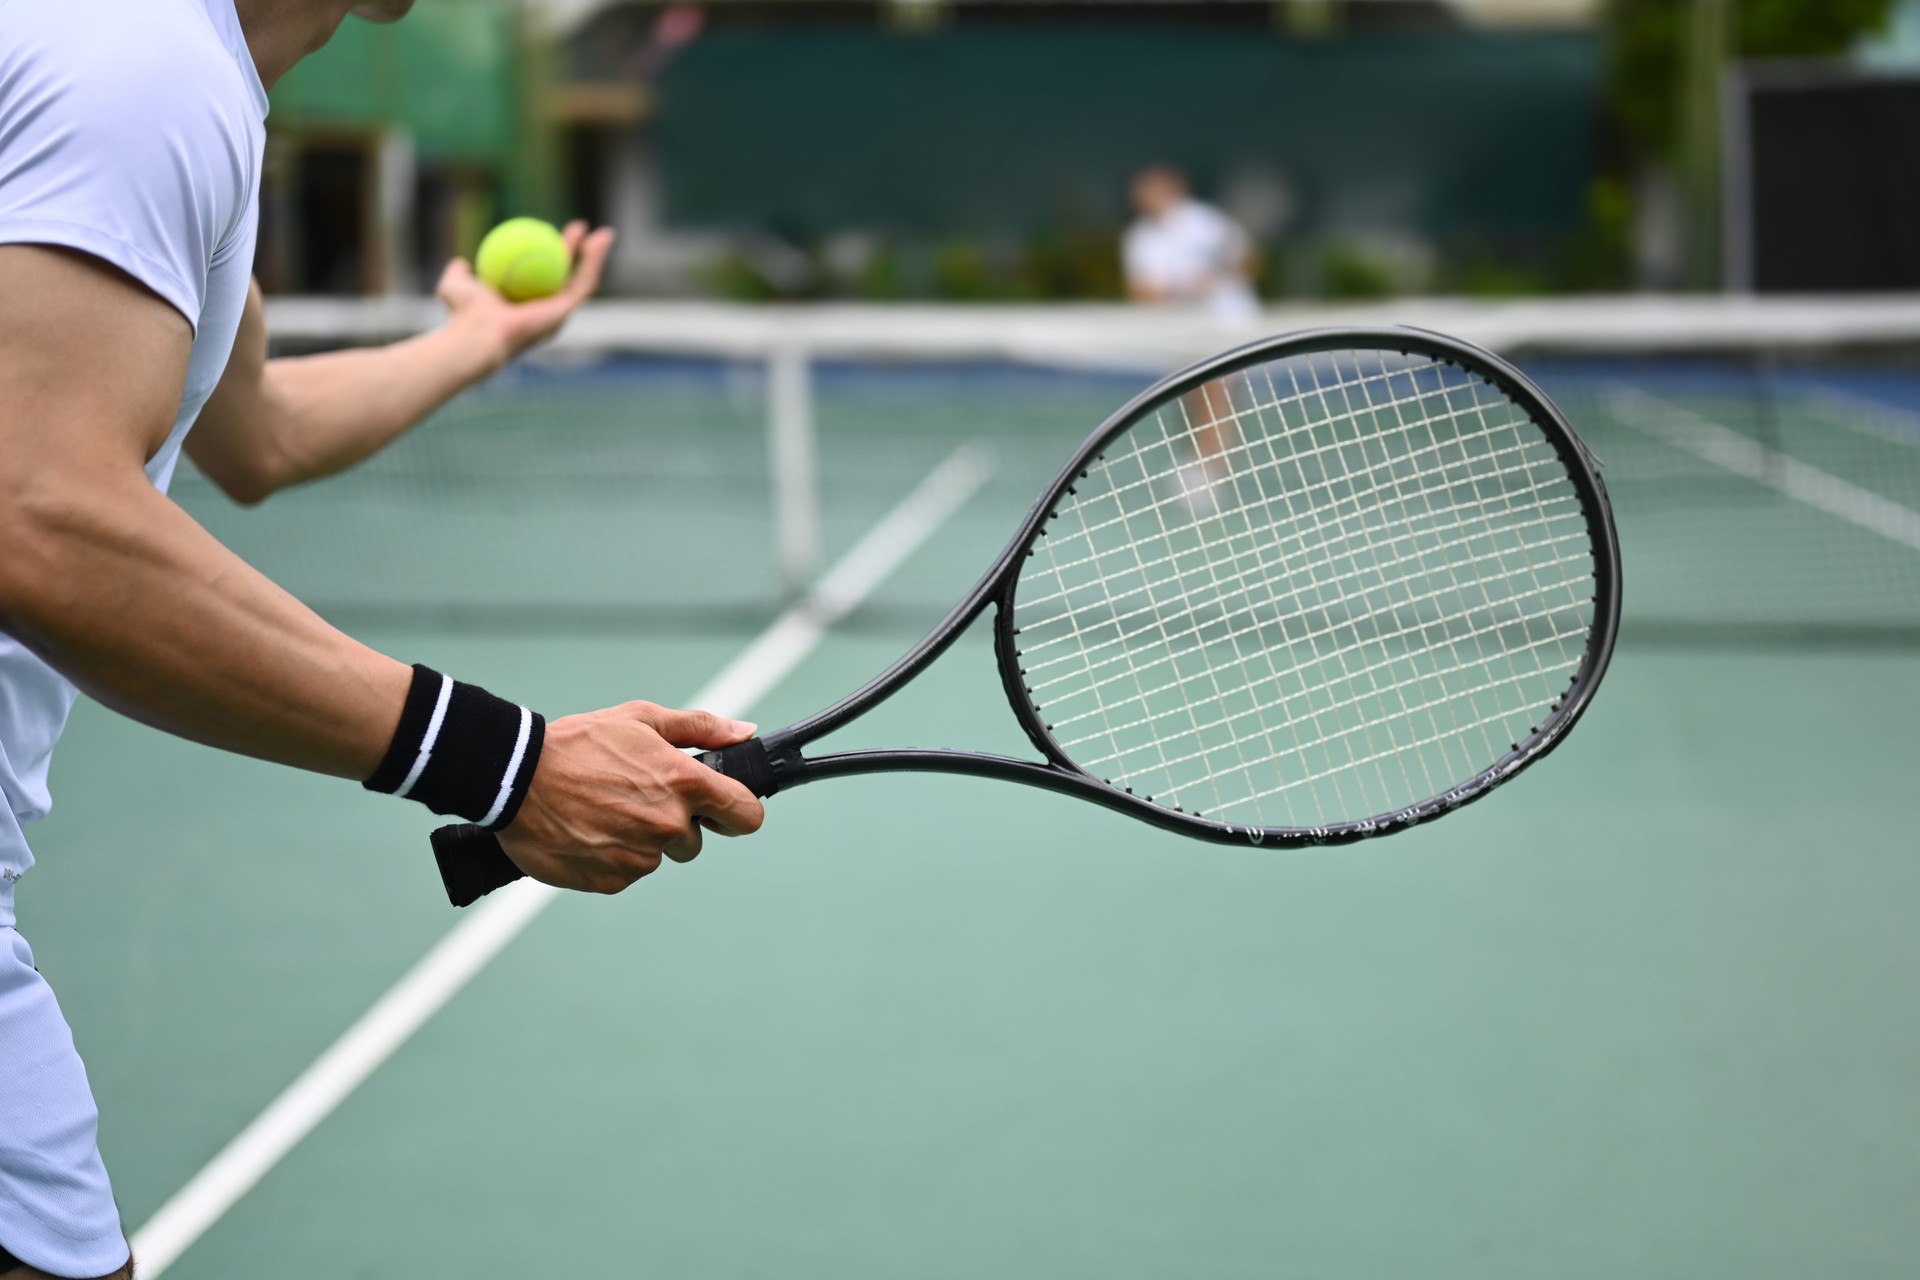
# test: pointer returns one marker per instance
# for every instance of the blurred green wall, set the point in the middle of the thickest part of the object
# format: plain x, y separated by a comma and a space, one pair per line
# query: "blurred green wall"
960, 131
453, 74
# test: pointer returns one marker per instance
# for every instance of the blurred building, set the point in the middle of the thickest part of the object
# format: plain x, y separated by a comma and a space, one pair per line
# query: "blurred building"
907, 147
1818, 186
396, 146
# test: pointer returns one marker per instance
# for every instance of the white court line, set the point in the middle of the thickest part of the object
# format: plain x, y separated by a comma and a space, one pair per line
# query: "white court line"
487, 927
1726, 448
1868, 415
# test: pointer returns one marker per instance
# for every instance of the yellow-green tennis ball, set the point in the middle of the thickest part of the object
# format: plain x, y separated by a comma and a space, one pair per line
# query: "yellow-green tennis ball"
524, 258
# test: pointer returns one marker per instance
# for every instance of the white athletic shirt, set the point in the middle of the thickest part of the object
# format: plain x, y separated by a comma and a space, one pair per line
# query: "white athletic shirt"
130, 130
1192, 253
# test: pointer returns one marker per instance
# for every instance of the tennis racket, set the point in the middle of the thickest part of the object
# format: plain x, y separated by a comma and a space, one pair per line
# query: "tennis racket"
1321, 588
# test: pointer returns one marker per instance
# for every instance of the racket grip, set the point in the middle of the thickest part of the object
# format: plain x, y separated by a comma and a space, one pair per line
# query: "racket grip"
472, 863
751, 764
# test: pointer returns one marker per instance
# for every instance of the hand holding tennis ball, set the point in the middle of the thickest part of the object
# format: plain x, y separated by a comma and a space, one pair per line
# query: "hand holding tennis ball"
524, 259
529, 279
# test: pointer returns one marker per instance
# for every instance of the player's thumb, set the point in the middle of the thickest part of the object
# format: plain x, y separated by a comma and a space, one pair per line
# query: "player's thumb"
697, 728
456, 282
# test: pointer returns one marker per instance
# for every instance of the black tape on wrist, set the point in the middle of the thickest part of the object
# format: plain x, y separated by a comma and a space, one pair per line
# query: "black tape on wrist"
460, 750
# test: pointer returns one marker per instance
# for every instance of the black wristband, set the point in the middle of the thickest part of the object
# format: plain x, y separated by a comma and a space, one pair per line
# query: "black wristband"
460, 750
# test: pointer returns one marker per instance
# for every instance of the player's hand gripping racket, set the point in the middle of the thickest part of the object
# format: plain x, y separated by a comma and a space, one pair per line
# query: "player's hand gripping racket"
1320, 588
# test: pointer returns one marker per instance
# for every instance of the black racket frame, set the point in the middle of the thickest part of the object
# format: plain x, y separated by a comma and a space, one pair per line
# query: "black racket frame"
473, 863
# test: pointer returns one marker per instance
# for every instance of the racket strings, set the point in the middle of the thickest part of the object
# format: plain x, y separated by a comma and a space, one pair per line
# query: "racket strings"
1357, 497
1444, 700
1242, 452
1348, 674
1393, 729
1389, 727
1255, 627
1247, 573
1286, 700
1452, 576
1334, 586
1352, 590
1312, 538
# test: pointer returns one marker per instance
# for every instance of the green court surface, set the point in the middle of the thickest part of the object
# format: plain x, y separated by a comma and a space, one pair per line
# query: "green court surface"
1647, 1011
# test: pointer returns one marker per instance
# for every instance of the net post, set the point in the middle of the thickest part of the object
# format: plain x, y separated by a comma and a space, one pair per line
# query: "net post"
793, 456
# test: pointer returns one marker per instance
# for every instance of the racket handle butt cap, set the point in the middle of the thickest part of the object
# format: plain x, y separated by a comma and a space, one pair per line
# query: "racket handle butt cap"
472, 863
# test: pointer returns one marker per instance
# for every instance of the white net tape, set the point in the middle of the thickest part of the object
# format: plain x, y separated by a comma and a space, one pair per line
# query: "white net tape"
1314, 591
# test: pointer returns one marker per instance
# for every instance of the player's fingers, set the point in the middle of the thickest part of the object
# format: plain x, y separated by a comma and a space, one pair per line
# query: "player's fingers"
592, 263
687, 847
742, 816
726, 805
609, 872
456, 281
633, 870
573, 234
693, 728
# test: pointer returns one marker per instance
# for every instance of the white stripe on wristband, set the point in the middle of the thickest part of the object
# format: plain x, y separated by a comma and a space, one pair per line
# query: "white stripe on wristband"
513, 769
451, 744
433, 735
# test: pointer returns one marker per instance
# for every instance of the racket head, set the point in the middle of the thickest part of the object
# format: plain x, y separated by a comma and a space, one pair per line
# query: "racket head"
1320, 588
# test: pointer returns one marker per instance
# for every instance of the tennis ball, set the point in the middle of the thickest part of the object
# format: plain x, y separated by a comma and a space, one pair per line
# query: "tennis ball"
524, 258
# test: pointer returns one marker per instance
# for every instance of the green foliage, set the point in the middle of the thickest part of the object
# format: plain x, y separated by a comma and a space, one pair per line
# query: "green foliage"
1600, 259
1647, 41
1077, 264
1350, 273
963, 271
736, 278
1484, 276
1047, 266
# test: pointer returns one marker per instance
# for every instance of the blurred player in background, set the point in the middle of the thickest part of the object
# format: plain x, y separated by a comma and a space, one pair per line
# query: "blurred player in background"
1182, 252
131, 134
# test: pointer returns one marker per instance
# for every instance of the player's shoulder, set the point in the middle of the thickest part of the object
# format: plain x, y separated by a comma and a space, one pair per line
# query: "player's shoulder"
118, 64
129, 132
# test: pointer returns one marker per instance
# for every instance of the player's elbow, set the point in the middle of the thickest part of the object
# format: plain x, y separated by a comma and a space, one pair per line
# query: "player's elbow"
248, 475
248, 487
244, 441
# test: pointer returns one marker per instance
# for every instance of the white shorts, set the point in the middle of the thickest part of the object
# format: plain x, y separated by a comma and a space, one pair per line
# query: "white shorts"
56, 1205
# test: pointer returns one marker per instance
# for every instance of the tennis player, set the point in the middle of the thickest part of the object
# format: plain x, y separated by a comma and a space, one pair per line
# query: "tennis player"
1181, 252
130, 148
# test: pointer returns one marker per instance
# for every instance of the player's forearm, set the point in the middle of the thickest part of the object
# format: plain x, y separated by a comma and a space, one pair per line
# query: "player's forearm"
333, 410
123, 593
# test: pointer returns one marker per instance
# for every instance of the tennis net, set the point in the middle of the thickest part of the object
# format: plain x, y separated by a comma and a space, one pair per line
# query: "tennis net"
689, 465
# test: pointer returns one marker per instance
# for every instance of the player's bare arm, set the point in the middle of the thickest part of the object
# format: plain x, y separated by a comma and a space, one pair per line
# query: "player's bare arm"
273, 424
123, 592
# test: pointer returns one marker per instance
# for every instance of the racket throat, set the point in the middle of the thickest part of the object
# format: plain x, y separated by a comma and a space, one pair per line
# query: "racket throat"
765, 766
